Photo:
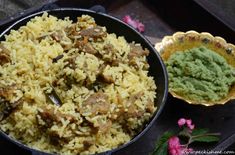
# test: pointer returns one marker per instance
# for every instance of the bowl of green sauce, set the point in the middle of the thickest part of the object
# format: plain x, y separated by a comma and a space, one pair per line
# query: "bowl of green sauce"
201, 67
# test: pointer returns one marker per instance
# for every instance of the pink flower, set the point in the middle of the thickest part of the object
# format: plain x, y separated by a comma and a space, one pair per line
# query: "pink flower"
174, 142
188, 122
127, 19
175, 148
134, 23
181, 122
191, 126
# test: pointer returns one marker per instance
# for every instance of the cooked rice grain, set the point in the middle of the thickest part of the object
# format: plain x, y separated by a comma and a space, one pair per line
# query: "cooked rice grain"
123, 92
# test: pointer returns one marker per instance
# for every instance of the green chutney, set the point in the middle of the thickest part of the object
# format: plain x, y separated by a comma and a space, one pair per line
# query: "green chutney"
200, 74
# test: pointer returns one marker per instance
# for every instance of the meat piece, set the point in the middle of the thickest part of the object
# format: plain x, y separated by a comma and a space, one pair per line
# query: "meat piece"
88, 48
6, 107
4, 55
118, 114
133, 111
60, 37
49, 115
137, 51
56, 139
87, 143
91, 130
85, 47
57, 35
104, 127
5, 92
150, 106
104, 78
71, 31
135, 97
97, 103
95, 33
110, 50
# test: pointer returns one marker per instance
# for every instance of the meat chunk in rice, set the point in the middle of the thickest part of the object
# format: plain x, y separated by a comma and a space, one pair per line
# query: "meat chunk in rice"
97, 103
49, 115
94, 33
4, 55
137, 51
6, 106
133, 111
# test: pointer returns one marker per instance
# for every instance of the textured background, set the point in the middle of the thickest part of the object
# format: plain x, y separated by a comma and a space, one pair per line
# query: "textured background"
10, 7
160, 19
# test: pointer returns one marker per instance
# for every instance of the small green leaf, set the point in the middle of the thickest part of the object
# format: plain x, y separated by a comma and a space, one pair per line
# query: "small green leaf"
161, 145
206, 139
200, 131
162, 150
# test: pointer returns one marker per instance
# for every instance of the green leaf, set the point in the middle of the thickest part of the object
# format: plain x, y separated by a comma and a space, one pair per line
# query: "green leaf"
206, 138
200, 131
162, 150
161, 145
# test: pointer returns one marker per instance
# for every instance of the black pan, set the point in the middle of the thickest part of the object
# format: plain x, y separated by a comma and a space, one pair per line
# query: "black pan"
113, 25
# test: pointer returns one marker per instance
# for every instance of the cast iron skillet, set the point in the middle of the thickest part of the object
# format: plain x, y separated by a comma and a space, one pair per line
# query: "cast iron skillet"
113, 25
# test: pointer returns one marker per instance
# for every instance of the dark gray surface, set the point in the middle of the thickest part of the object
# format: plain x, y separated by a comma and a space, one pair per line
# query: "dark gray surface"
223, 10
217, 118
11, 7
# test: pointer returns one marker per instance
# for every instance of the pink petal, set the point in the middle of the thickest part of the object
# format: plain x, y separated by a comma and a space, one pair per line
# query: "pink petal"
178, 151
191, 126
134, 23
140, 27
126, 18
188, 122
181, 122
173, 152
174, 142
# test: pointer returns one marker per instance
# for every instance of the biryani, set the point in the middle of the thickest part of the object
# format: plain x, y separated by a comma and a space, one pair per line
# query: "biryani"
100, 82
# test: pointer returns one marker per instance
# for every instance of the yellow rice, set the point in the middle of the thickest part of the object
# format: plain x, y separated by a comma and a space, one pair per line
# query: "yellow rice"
33, 71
